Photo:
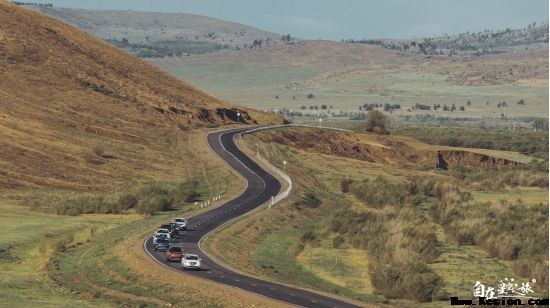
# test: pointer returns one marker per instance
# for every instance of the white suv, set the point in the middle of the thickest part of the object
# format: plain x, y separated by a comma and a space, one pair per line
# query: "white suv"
181, 223
164, 233
190, 261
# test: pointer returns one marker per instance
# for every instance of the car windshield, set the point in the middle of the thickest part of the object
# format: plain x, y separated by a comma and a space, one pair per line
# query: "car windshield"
162, 231
166, 226
162, 241
191, 257
178, 220
175, 249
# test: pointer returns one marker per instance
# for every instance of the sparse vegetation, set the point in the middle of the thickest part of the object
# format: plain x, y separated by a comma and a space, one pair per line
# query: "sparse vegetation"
524, 141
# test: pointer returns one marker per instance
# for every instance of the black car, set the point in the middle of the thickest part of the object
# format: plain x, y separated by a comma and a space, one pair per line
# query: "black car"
162, 245
174, 233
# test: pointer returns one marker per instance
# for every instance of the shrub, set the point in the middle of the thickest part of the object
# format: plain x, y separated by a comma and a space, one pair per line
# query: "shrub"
345, 185
99, 151
309, 200
377, 122
185, 192
153, 204
127, 201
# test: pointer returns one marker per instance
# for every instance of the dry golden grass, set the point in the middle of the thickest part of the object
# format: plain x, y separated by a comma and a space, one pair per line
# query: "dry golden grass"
80, 114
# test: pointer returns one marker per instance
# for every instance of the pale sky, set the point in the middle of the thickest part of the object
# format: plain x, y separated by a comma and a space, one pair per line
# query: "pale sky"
338, 19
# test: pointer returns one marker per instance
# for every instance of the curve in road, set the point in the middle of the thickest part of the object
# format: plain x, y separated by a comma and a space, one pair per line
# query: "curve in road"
261, 186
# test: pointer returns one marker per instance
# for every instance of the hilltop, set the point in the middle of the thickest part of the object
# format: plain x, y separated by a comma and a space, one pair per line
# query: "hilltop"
78, 113
154, 34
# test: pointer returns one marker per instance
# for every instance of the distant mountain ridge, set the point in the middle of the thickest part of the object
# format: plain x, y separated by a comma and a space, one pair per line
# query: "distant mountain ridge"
532, 37
152, 34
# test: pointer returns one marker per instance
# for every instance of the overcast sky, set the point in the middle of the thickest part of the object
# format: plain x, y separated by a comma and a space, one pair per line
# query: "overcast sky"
337, 19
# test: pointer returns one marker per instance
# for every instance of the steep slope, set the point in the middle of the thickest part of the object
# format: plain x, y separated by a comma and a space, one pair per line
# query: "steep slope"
173, 32
78, 113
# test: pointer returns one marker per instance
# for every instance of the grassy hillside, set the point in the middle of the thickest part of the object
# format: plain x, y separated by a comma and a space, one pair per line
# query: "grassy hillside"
153, 34
87, 130
80, 114
346, 76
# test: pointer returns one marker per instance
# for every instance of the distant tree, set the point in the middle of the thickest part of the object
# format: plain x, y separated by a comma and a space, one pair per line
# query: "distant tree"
303, 107
461, 108
540, 125
521, 102
293, 96
310, 96
324, 107
453, 107
276, 96
468, 103
377, 122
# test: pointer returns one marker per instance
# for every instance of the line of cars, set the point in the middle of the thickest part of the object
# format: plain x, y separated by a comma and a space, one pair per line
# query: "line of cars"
166, 235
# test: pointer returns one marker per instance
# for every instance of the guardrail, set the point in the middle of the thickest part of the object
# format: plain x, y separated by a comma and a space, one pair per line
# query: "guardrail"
283, 194
295, 125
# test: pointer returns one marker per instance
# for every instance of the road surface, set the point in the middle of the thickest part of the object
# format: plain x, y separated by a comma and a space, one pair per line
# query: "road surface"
261, 186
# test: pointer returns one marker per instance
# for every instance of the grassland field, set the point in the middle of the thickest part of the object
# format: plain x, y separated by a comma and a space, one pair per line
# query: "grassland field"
97, 259
344, 77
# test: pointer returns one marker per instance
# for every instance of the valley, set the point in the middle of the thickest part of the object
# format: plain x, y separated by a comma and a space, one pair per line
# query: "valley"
112, 124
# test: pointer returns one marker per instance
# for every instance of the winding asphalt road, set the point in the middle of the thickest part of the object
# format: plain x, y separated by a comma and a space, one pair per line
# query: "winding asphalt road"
261, 187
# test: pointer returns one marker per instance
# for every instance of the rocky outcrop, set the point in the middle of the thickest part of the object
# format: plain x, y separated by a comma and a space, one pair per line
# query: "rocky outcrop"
453, 158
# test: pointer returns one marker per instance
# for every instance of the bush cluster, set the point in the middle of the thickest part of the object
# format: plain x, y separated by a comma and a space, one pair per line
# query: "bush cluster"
507, 231
145, 200
309, 200
402, 246
495, 179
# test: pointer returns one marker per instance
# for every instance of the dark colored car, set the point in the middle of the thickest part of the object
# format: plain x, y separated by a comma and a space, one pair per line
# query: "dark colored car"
166, 226
162, 245
174, 233
174, 253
